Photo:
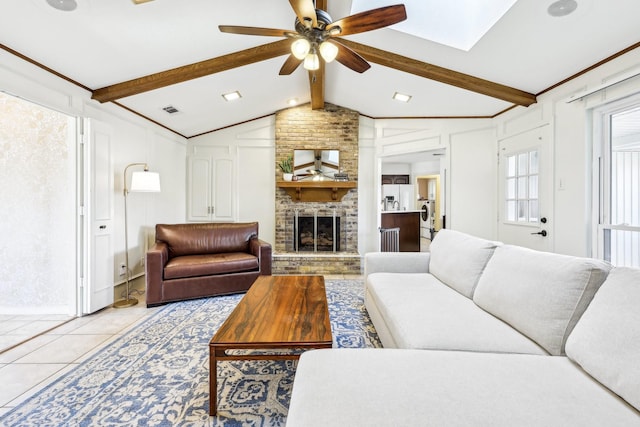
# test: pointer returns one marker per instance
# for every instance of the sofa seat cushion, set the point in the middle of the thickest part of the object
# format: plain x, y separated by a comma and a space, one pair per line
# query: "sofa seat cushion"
206, 265
421, 313
606, 340
458, 259
540, 294
390, 387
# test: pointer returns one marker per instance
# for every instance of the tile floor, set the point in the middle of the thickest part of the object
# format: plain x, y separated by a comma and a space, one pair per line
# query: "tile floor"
31, 366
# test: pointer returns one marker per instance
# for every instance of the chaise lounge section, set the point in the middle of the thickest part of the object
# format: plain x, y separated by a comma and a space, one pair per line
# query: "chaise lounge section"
204, 259
484, 334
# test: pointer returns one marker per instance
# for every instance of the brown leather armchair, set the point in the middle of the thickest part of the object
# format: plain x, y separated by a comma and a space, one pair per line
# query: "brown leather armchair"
204, 259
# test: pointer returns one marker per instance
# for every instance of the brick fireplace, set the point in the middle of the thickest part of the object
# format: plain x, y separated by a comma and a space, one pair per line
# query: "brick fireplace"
332, 128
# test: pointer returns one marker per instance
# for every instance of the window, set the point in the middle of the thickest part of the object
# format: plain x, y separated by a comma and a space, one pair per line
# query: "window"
522, 187
618, 154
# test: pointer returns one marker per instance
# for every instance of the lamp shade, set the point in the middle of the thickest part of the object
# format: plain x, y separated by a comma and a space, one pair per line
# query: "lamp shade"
311, 62
300, 48
145, 182
329, 51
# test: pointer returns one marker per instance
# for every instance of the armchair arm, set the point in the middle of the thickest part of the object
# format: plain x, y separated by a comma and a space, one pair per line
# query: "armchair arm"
262, 250
396, 262
155, 259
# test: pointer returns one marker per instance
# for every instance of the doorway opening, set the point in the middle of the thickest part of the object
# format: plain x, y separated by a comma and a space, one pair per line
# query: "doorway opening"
429, 203
38, 208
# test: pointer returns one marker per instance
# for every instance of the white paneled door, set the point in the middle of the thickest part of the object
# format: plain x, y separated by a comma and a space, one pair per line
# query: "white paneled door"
525, 189
97, 281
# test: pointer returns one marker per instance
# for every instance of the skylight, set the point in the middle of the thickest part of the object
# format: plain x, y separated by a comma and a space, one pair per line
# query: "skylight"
456, 23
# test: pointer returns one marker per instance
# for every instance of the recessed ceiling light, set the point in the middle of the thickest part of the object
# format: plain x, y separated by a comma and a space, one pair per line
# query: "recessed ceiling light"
232, 96
66, 5
401, 97
562, 7
292, 101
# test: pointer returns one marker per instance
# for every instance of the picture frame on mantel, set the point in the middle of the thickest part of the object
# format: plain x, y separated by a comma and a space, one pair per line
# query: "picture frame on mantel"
316, 164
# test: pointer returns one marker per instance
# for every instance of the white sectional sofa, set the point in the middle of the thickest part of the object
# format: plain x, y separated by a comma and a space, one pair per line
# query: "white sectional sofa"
477, 333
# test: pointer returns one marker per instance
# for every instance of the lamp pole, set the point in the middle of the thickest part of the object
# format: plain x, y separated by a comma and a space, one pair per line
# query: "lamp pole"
127, 301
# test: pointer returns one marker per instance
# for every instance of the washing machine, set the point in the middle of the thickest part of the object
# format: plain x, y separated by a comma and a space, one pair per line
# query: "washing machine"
425, 218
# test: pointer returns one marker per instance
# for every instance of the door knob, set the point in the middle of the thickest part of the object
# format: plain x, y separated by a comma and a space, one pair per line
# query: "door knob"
543, 233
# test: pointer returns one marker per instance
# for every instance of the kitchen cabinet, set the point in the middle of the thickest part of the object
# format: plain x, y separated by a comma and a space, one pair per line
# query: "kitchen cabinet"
409, 224
395, 179
210, 195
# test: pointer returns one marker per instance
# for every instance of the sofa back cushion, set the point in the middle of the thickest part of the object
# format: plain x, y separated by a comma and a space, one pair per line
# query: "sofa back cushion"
206, 238
606, 340
540, 294
458, 259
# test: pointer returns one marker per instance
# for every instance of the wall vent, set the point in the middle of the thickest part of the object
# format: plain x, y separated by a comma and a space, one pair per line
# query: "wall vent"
171, 109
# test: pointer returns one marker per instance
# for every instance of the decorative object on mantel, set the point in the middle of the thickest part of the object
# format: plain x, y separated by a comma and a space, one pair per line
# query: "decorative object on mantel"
341, 177
286, 166
317, 191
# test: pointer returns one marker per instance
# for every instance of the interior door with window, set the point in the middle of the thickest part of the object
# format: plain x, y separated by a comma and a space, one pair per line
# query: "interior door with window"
525, 190
617, 156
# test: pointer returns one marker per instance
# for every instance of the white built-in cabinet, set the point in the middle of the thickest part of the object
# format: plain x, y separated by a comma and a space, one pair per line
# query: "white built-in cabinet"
210, 185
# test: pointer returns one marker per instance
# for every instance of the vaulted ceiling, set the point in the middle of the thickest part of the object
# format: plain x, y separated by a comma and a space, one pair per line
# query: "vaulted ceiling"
170, 53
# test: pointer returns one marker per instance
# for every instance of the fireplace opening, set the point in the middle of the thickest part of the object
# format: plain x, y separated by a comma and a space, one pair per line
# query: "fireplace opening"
317, 234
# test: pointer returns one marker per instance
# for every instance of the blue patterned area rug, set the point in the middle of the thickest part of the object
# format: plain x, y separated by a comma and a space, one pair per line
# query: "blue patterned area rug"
158, 373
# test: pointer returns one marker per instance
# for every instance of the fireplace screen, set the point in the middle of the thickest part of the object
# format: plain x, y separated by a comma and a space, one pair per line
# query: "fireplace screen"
317, 234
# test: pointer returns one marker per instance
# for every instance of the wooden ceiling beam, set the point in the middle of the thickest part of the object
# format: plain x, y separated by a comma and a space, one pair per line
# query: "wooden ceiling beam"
442, 75
192, 71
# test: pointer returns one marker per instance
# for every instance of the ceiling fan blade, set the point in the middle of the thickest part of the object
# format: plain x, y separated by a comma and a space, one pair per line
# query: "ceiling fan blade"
370, 20
305, 9
192, 71
290, 65
440, 74
254, 31
140, 1
349, 58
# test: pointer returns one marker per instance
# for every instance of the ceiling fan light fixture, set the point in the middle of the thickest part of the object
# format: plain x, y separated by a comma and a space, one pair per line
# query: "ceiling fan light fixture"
300, 48
312, 62
65, 5
328, 51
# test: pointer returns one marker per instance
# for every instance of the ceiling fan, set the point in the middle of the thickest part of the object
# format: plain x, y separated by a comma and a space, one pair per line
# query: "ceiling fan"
315, 36
314, 25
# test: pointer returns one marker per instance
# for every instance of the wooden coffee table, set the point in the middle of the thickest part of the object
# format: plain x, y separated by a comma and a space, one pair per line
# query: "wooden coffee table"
278, 312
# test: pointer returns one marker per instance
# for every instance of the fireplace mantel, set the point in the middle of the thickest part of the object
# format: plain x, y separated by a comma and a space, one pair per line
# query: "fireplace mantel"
316, 191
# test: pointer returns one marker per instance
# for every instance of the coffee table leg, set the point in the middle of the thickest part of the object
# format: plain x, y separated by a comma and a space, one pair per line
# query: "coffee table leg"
213, 382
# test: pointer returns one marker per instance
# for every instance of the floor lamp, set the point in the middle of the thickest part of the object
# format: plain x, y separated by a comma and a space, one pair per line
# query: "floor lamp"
141, 182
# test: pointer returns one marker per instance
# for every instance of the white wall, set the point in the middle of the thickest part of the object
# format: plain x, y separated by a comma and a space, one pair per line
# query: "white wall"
368, 188
135, 139
472, 181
